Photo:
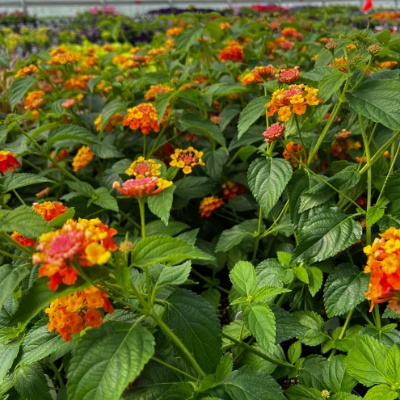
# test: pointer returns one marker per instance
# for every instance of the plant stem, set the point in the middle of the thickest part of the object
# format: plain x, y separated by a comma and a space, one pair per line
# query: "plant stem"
377, 317
343, 331
259, 353
19, 197
258, 236
56, 373
209, 281
179, 371
142, 202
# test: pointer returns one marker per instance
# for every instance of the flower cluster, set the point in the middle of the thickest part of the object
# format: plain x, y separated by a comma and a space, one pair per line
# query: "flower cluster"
231, 189
49, 210
73, 313
142, 168
142, 187
61, 56
8, 161
155, 90
186, 159
288, 75
232, 52
23, 240
26, 71
296, 154
83, 242
112, 123
143, 117
383, 264
259, 75
34, 100
82, 158
274, 132
209, 204
293, 100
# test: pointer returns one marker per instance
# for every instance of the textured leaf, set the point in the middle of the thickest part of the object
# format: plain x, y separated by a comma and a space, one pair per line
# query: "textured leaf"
73, 133
165, 250
111, 109
287, 326
215, 161
25, 221
366, 361
18, 89
260, 320
393, 366
243, 278
314, 328
325, 234
294, 352
300, 392
193, 187
381, 392
311, 370
174, 275
392, 188
19, 180
251, 113
4, 61
195, 322
267, 180
315, 280
8, 353
105, 200
160, 204
161, 103
330, 84
233, 236
344, 289
336, 377
83, 188
10, 277
107, 359
374, 214
185, 40
378, 100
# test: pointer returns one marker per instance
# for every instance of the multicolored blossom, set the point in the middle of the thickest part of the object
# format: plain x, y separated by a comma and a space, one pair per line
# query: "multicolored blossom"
34, 100
142, 168
83, 242
61, 56
259, 75
8, 161
209, 204
112, 123
142, 187
155, 90
82, 158
231, 189
186, 159
274, 132
143, 117
49, 209
296, 154
288, 75
26, 71
232, 52
73, 313
22, 240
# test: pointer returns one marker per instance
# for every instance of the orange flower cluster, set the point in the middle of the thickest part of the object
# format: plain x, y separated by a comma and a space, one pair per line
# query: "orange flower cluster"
291, 32
84, 242
224, 26
22, 240
232, 52
341, 149
384, 265
123, 61
89, 62
143, 117
174, 31
259, 75
82, 158
112, 123
142, 187
61, 56
231, 189
49, 210
34, 100
209, 204
295, 153
142, 168
155, 90
25, 71
8, 161
79, 82
186, 159
293, 100
73, 313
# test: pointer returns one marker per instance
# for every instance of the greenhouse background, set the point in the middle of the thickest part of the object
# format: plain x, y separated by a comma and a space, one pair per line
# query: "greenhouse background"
44, 8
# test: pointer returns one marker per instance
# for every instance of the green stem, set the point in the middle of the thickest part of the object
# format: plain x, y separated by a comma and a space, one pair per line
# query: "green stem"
258, 353
16, 244
4, 253
56, 373
142, 202
179, 371
19, 197
128, 218
168, 331
258, 236
210, 282
377, 317
281, 214
343, 331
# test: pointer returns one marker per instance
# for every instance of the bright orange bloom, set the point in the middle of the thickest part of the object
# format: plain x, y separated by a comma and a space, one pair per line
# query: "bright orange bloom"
61, 56
384, 265
34, 99
8, 161
155, 90
60, 250
25, 71
186, 159
142, 168
295, 154
82, 158
72, 313
259, 75
174, 31
49, 210
142, 187
224, 26
22, 240
143, 117
232, 52
79, 82
209, 204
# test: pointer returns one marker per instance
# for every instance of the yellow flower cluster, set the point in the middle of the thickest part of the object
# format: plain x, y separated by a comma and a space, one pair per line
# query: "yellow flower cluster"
142, 168
186, 159
82, 158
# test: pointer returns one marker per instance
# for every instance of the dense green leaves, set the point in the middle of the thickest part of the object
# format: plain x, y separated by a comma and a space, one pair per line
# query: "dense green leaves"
18, 89
251, 113
243, 278
112, 355
161, 204
71, 132
16, 181
330, 84
10, 278
233, 236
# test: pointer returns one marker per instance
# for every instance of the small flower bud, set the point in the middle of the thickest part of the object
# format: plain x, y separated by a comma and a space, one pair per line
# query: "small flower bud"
274, 132
343, 135
331, 45
374, 49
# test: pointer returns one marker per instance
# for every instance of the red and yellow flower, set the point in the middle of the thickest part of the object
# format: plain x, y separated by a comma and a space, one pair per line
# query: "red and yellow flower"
143, 117
186, 159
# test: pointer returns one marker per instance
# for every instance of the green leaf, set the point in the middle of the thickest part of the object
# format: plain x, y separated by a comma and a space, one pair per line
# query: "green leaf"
311, 370
301, 274
59, 221
381, 392
264, 292
378, 101
330, 84
344, 396
111, 109
234, 236
10, 278
215, 161
161, 103
196, 324
366, 361
105, 200
31, 383
8, 353
294, 352
336, 377
194, 123
287, 326
224, 368
193, 187
344, 289
4, 61
325, 234
260, 320
107, 359
165, 250
159, 228
251, 113
250, 384
161, 204
18, 89
19, 180
25, 221
392, 188
83, 188
38, 344
314, 324
267, 180
243, 278
393, 366
375, 213
175, 276
72, 133
315, 277
300, 392
185, 40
